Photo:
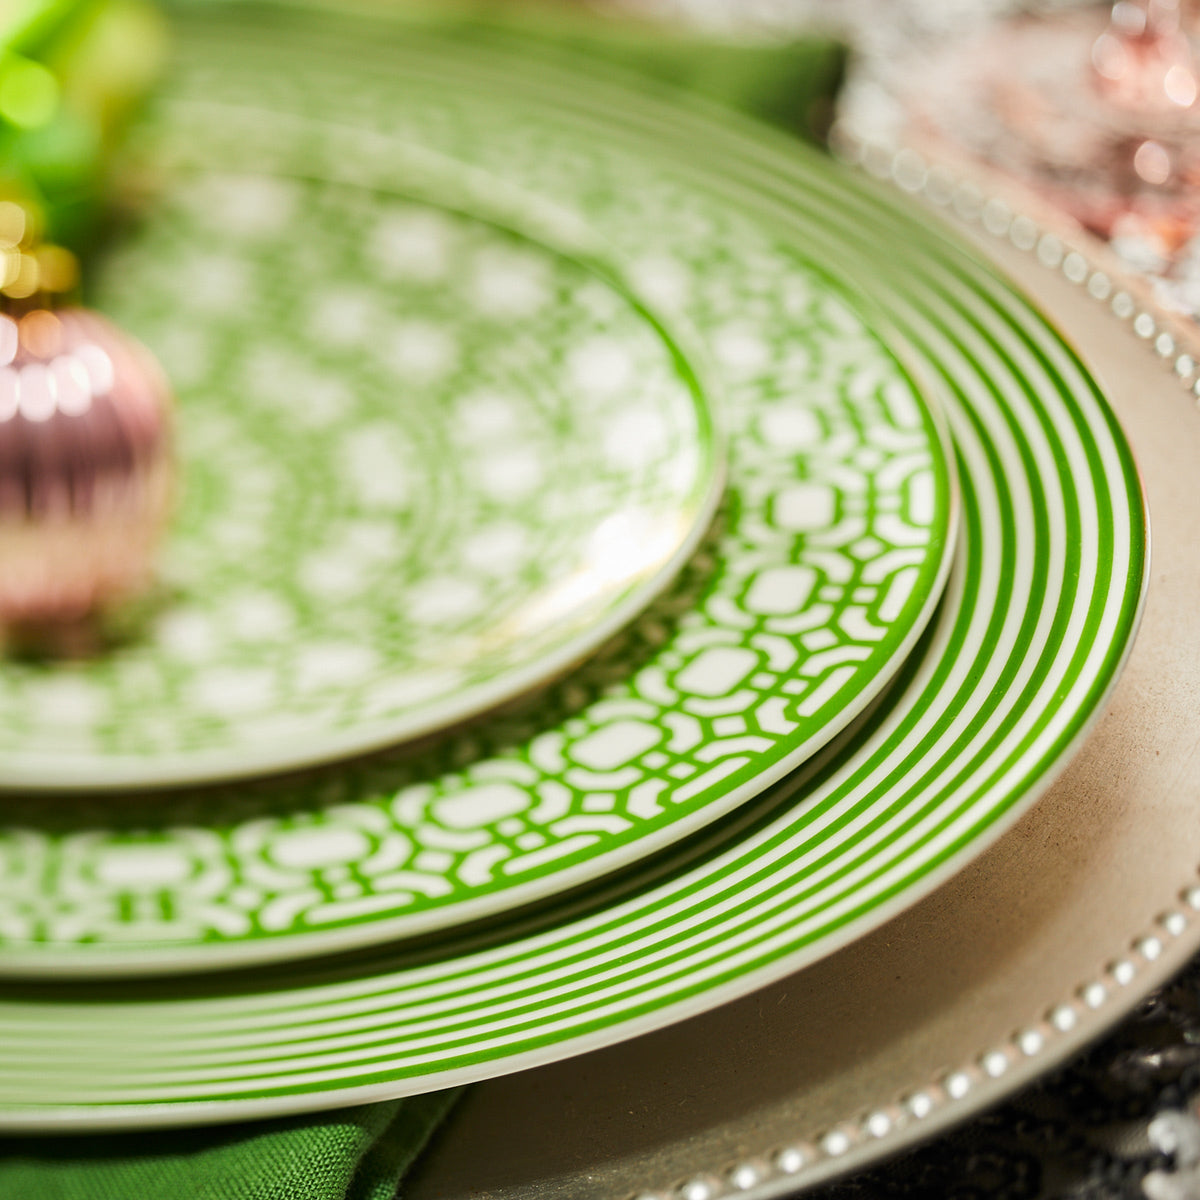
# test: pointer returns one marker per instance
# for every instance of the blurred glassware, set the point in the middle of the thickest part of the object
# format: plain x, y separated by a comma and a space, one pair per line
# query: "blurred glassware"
1091, 108
1095, 109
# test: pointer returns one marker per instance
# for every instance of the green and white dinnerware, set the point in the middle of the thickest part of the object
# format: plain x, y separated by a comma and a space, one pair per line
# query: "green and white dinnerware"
462, 447
1042, 603
429, 462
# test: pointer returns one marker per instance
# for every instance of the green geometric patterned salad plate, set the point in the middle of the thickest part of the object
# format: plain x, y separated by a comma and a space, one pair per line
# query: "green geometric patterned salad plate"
432, 459
516, 412
754, 236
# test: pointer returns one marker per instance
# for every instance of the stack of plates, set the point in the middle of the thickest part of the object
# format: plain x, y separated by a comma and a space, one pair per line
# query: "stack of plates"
621, 559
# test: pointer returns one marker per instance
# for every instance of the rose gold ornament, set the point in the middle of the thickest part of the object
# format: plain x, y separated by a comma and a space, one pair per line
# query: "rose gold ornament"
85, 470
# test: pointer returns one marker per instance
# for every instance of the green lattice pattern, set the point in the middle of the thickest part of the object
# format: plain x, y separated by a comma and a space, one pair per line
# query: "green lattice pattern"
816, 580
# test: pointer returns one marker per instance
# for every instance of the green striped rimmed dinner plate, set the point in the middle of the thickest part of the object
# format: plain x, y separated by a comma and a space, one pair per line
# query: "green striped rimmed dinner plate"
1035, 623
819, 574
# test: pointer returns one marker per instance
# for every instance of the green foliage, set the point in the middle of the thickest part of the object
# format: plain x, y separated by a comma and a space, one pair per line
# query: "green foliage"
71, 72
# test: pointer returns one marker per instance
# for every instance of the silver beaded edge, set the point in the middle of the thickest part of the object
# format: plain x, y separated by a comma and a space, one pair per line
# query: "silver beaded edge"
796, 1161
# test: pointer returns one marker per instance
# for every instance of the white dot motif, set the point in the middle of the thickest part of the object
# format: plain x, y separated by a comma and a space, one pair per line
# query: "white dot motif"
419, 352
601, 368
508, 284
414, 245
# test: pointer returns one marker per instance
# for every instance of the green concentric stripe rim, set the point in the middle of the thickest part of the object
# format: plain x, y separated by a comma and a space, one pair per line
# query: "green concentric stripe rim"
1048, 484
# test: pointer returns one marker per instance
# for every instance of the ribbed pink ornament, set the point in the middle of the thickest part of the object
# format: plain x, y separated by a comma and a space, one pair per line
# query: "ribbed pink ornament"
85, 468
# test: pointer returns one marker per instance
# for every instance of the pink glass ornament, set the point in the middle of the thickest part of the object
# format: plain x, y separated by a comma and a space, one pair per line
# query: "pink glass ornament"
85, 470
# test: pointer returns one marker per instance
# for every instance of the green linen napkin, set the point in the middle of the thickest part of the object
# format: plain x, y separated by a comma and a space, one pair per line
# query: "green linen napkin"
361, 1153
355, 1154
791, 82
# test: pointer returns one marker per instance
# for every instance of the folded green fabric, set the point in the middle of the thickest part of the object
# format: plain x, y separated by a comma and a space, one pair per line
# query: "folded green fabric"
364, 1153
790, 82
355, 1154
